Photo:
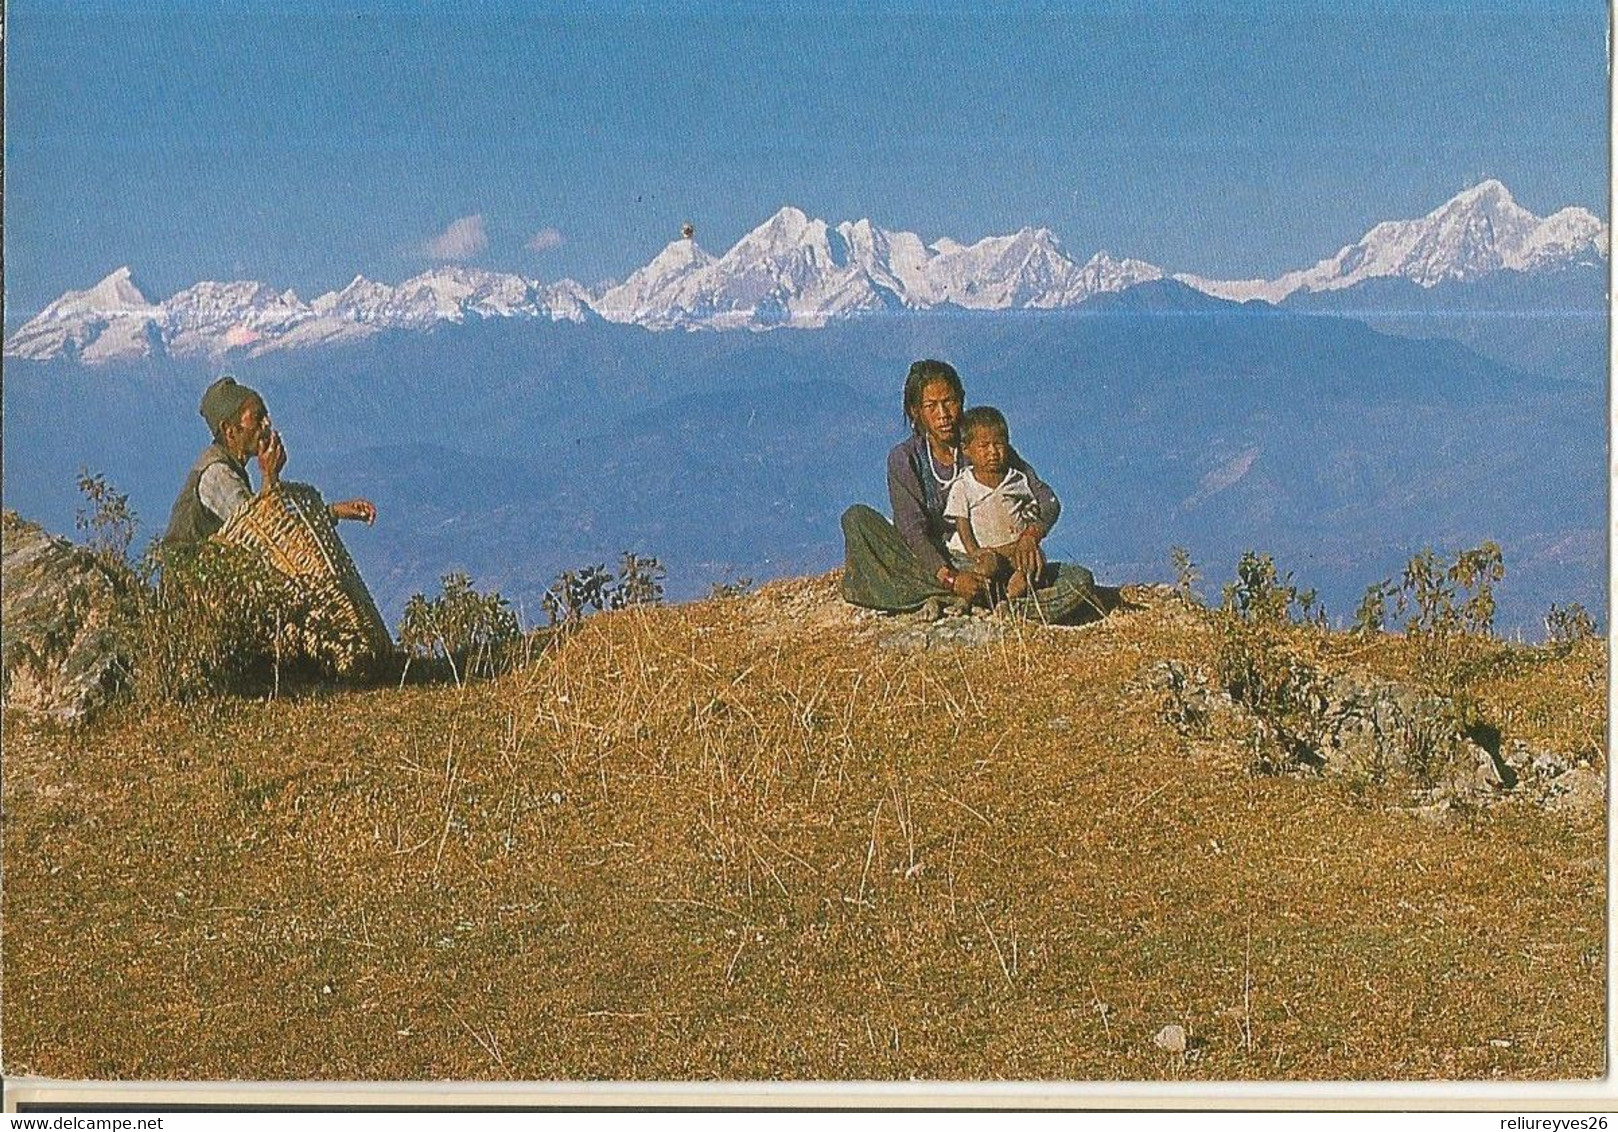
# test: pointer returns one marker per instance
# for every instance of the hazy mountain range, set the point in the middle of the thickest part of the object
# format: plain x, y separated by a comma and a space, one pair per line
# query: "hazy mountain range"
1440, 382
792, 271
1163, 416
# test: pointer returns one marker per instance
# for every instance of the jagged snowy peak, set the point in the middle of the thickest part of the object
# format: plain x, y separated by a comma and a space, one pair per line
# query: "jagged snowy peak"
1104, 273
795, 270
791, 270
894, 260
1476, 232
75, 321
1571, 235
1026, 268
117, 293
448, 294
211, 318
361, 301
653, 292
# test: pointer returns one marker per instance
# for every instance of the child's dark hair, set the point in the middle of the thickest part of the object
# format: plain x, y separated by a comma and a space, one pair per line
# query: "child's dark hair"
983, 416
928, 369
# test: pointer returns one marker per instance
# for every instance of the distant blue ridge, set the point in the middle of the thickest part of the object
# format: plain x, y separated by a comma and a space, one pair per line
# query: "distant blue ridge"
515, 450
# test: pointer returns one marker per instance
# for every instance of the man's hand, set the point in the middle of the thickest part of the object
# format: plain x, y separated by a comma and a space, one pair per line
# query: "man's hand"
362, 509
272, 457
1026, 555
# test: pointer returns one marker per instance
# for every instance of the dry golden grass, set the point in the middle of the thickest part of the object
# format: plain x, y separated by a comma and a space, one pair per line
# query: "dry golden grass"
742, 840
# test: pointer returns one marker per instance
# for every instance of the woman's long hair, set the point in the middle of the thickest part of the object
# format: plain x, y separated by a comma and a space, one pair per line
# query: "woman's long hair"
922, 372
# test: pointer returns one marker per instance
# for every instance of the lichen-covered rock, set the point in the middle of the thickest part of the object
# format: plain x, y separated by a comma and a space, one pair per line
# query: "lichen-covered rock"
936, 626
1582, 790
1186, 696
62, 625
1376, 729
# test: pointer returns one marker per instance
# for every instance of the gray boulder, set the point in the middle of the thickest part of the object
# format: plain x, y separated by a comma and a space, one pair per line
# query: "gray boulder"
1376, 729
64, 619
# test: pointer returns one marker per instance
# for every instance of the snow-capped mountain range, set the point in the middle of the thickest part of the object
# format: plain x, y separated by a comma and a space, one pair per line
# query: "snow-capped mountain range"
1476, 232
790, 271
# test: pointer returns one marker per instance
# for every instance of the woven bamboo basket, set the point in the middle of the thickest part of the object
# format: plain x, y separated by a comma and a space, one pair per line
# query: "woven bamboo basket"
291, 529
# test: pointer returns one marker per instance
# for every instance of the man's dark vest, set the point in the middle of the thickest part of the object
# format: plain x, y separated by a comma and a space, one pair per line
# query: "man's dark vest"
191, 522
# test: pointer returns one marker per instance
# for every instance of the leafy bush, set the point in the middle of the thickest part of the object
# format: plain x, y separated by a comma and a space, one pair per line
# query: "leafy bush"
575, 593
730, 588
1447, 607
1445, 599
213, 620
1569, 624
201, 621
468, 629
1372, 614
110, 521
640, 582
1186, 573
1261, 594
1258, 666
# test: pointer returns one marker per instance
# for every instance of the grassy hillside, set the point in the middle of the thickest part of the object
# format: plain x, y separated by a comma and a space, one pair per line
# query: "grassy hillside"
750, 838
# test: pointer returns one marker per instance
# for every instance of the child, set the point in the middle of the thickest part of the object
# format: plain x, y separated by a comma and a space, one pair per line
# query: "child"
992, 503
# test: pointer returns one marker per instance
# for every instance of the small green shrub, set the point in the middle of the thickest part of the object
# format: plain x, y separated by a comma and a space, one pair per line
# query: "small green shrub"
469, 630
1372, 614
1444, 599
1448, 609
640, 582
1262, 594
1569, 624
214, 620
109, 521
1258, 665
577, 593
1186, 573
730, 588
198, 622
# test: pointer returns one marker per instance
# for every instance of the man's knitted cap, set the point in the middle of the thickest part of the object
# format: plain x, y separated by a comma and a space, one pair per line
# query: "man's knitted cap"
223, 401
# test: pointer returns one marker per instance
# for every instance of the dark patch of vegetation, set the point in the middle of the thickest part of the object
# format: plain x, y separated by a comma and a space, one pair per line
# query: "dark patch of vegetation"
577, 593
206, 621
1568, 624
1258, 664
472, 632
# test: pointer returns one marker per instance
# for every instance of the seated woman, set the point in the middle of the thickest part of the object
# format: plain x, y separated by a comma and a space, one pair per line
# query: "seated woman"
900, 566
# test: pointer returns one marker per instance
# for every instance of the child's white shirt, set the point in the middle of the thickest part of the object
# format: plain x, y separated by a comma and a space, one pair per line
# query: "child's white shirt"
998, 514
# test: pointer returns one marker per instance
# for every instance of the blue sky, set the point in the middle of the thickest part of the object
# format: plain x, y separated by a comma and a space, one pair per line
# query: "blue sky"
300, 143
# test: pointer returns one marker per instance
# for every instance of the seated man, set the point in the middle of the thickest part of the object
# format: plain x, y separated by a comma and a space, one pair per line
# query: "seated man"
218, 483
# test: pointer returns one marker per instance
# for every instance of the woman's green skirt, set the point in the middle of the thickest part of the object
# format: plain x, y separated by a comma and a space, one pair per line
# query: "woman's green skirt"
880, 572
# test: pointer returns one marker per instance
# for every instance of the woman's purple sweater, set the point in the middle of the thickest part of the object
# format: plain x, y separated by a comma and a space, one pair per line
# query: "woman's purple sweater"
918, 501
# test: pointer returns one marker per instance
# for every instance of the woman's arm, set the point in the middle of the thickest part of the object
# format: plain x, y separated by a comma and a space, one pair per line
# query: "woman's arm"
910, 511
1050, 508
1025, 554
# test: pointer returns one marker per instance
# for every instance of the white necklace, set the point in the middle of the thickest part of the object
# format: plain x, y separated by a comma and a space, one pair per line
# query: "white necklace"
932, 464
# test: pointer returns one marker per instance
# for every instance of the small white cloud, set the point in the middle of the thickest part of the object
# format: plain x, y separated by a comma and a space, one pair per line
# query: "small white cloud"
463, 239
545, 239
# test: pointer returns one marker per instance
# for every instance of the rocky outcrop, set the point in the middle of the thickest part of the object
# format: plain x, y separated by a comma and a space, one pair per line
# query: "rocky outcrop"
1375, 730
62, 625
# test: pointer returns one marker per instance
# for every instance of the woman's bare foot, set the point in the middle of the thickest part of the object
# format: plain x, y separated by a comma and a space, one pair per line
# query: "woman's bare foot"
1018, 586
